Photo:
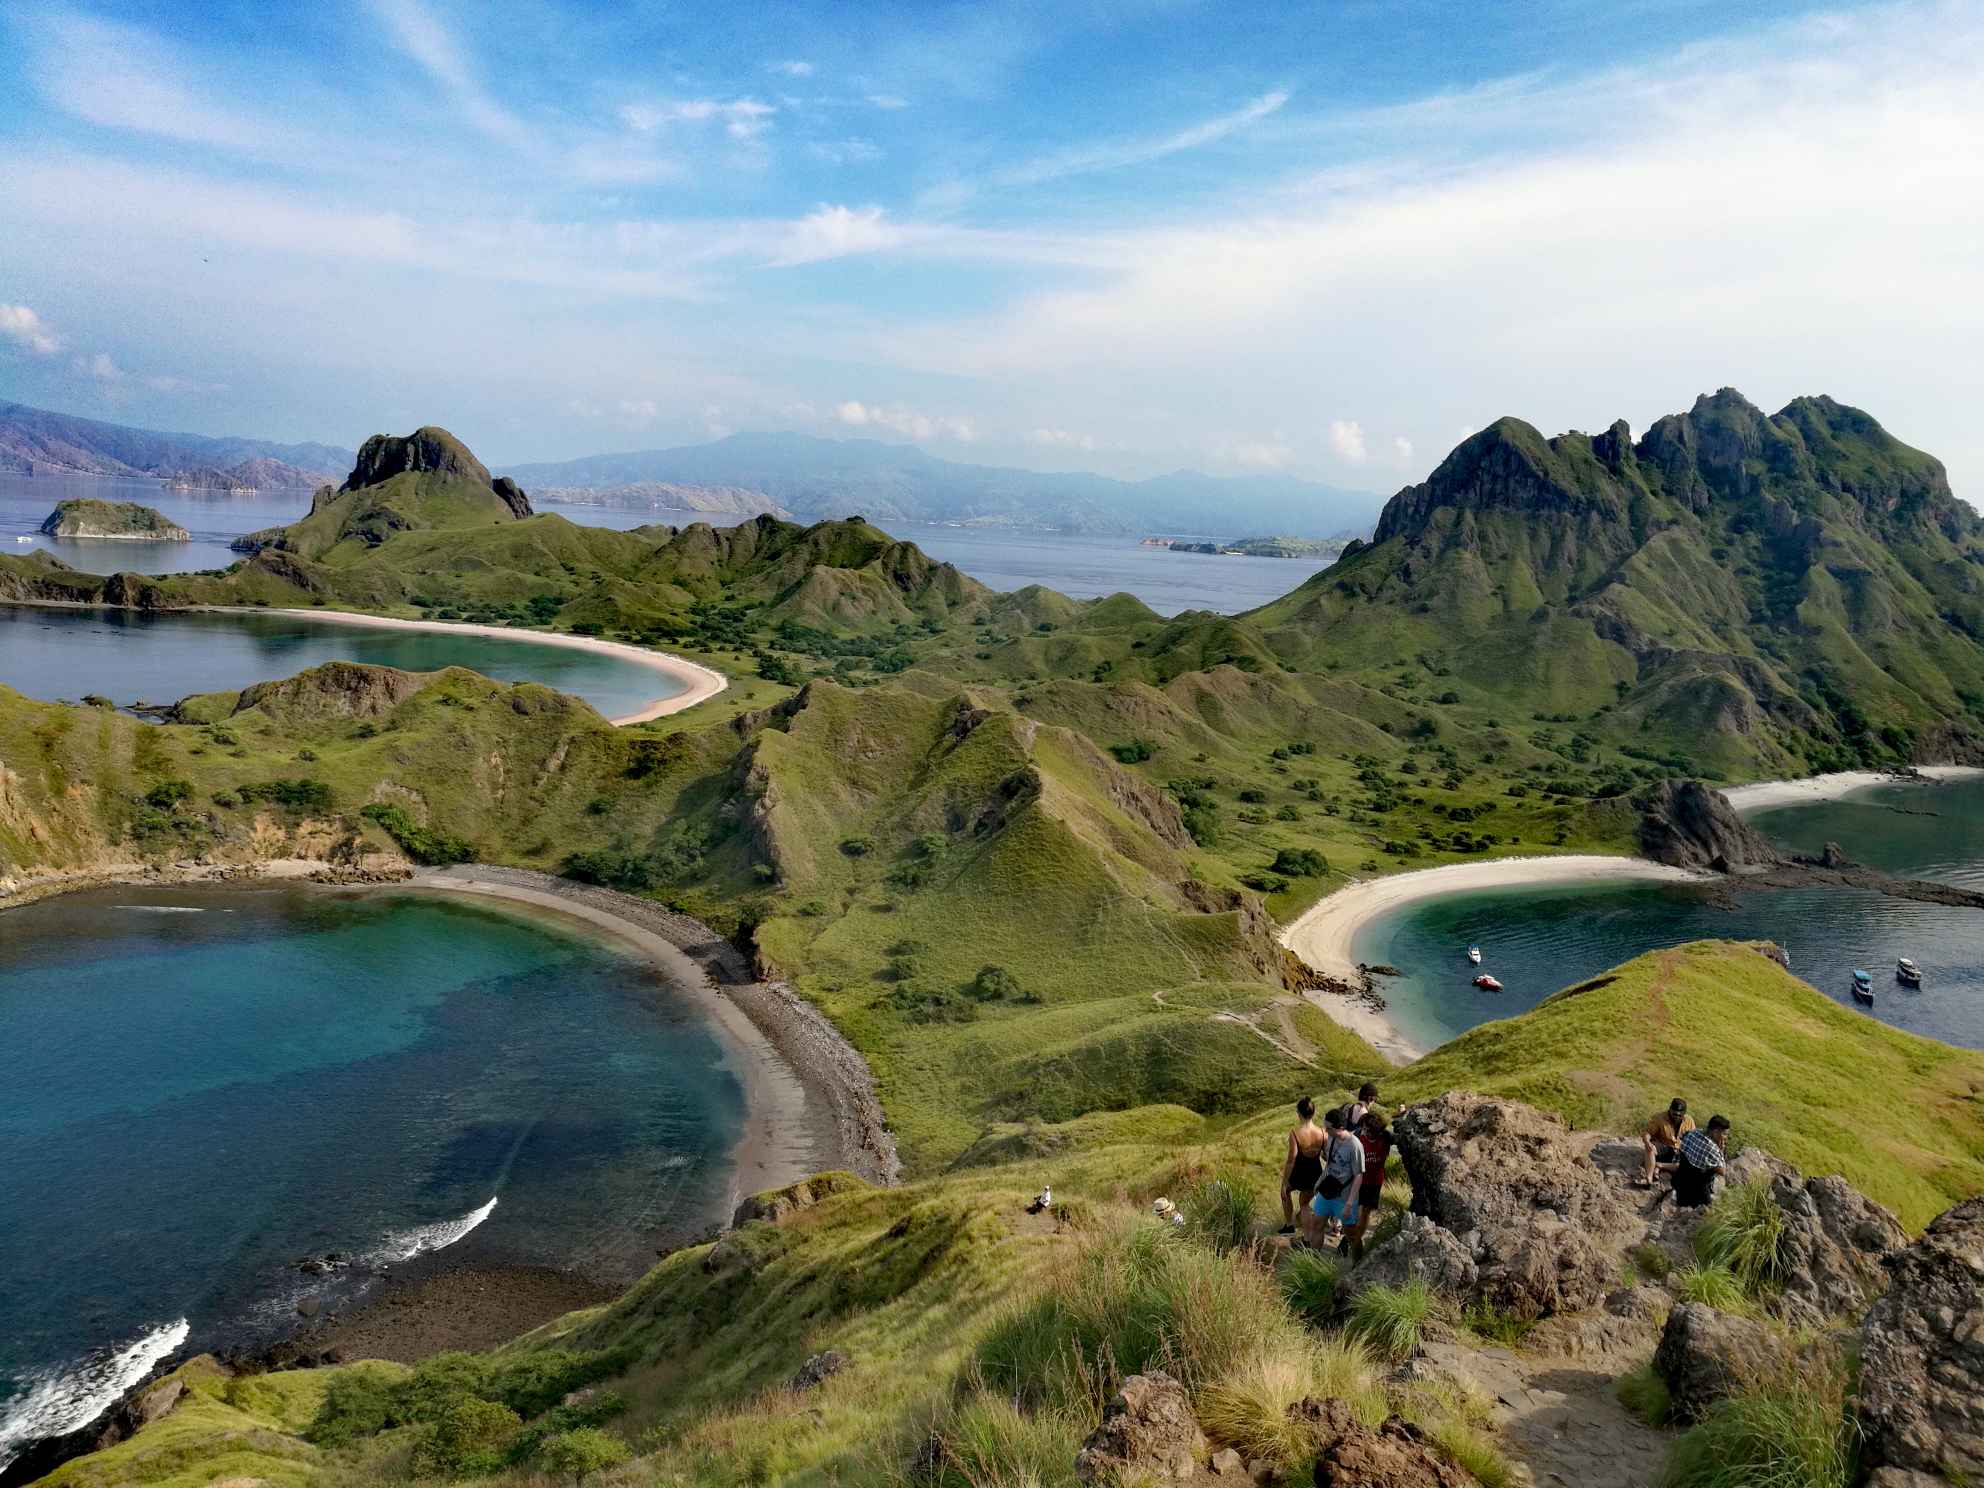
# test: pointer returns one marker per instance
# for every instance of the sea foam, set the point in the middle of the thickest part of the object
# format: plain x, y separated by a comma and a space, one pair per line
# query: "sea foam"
64, 1400
422, 1238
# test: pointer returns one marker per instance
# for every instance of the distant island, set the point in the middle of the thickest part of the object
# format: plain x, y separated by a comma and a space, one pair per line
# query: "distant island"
259, 474
1256, 547
125, 520
736, 501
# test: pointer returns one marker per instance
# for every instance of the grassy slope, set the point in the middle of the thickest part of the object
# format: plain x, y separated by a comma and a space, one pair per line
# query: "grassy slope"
914, 1284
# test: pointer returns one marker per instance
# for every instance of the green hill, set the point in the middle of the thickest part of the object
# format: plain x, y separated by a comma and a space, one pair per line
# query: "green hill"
1766, 593
88, 517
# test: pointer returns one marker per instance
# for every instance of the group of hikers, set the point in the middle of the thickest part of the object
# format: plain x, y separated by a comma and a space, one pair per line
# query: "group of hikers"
1334, 1174
1689, 1155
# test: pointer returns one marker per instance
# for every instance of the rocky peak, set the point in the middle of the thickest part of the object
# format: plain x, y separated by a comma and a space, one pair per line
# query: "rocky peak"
428, 450
1509, 466
1688, 825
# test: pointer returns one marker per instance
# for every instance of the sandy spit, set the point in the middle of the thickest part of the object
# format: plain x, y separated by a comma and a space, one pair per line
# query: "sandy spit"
1324, 934
700, 683
1767, 793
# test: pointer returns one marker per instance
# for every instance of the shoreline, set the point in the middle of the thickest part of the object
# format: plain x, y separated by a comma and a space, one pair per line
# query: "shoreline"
1323, 935
699, 683
1763, 795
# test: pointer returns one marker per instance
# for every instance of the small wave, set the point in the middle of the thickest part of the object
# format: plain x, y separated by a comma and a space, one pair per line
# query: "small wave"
166, 909
676, 1160
62, 1401
423, 1238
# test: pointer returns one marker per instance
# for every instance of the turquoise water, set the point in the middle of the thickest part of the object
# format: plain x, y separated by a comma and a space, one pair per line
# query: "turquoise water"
198, 1087
1539, 940
129, 656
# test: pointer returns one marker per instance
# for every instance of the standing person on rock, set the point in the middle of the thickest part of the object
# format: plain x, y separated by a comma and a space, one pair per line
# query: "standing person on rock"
1662, 1139
1335, 1204
1702, 1157
1377, 1144
1302, 1169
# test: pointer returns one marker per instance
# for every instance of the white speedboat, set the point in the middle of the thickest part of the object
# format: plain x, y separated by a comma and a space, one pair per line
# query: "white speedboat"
1474, 955
1907, 972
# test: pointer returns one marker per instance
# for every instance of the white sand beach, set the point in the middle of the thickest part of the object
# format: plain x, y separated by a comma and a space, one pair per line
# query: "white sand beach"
1765, 794
1324, 935
700, 683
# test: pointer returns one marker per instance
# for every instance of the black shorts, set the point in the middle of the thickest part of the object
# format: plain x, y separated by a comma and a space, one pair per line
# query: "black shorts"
1666, 1154
1305, 1174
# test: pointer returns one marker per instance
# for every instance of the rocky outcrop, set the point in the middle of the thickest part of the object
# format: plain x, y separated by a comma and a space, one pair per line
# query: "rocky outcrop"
427, 449
817, 1370
1541, 1223
1834, 1244
1687, 825
1921, 1400
1147, 1431
1396, 1454
337, 689
774, 1204
1707, 1356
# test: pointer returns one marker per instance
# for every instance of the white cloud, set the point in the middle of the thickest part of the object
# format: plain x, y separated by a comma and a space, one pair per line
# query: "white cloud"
1403, 446
794, 68
1061, 439
742, 118
1347, 439
101, 367
19, 324
1114, 154
836, 232
849, 151
906, 422
170, 384
888, 101
639, 410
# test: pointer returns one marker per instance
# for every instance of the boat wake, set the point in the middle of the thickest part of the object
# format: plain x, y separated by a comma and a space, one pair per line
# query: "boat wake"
168, 909
65, 1400
423, 1238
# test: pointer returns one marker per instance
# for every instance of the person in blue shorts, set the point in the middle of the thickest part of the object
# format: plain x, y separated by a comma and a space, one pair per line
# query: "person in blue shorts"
1335, 1205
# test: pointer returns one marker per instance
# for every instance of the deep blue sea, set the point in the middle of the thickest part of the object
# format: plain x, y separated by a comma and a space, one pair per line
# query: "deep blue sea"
198, 1087
1537, 941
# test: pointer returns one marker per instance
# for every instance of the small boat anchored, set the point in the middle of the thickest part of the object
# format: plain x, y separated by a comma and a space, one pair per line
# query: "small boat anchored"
1907, 972
1474, 955
1863, 988
1487, 983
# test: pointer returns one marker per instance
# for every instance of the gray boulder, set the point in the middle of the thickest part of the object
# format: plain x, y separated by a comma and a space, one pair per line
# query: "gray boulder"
1350, 1454
1420, 1251
1921, 1400
1835, 1240
1707, 1356
1148, 1430
1542, 1224
818, 1369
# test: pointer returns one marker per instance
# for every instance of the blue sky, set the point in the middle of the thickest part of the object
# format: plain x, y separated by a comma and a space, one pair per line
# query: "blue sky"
1326, 239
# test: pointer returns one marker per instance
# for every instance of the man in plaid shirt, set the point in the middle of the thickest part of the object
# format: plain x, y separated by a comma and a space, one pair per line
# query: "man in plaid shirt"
1702, 1157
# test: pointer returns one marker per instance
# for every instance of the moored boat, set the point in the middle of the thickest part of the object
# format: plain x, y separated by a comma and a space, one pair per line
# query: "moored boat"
1863, 988
1487, 983
1907, 972
1474, 954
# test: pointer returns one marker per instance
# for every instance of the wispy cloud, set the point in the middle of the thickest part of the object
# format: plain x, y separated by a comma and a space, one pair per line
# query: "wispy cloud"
1403, 447
1115, 154
850, 151
423, 38
20, 324
888, 101
835, 232
906, 422
1347, 439
742, 118
101, 367
1061, 439
794, 68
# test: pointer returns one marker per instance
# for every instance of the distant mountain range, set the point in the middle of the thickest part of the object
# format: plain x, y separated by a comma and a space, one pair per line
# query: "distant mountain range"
742, 475
814, 477
36, 441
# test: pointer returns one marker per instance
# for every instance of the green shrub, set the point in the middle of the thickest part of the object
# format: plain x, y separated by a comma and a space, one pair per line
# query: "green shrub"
1794, 1433
423, 844
1133, 753
1652, 1262
1744, 1231
1389, 1318
1713, 1285
1300, 862
581, 1453
1643, 1392
466, 1435
296, 795
994, 984
611, 870
1220, 1213
984, 1441
1308, 1282
358, 1402
1253, 797
169, 793
857, 847
1497, 1326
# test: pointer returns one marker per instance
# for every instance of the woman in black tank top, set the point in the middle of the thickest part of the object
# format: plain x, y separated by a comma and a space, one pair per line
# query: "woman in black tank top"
1303, 1168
